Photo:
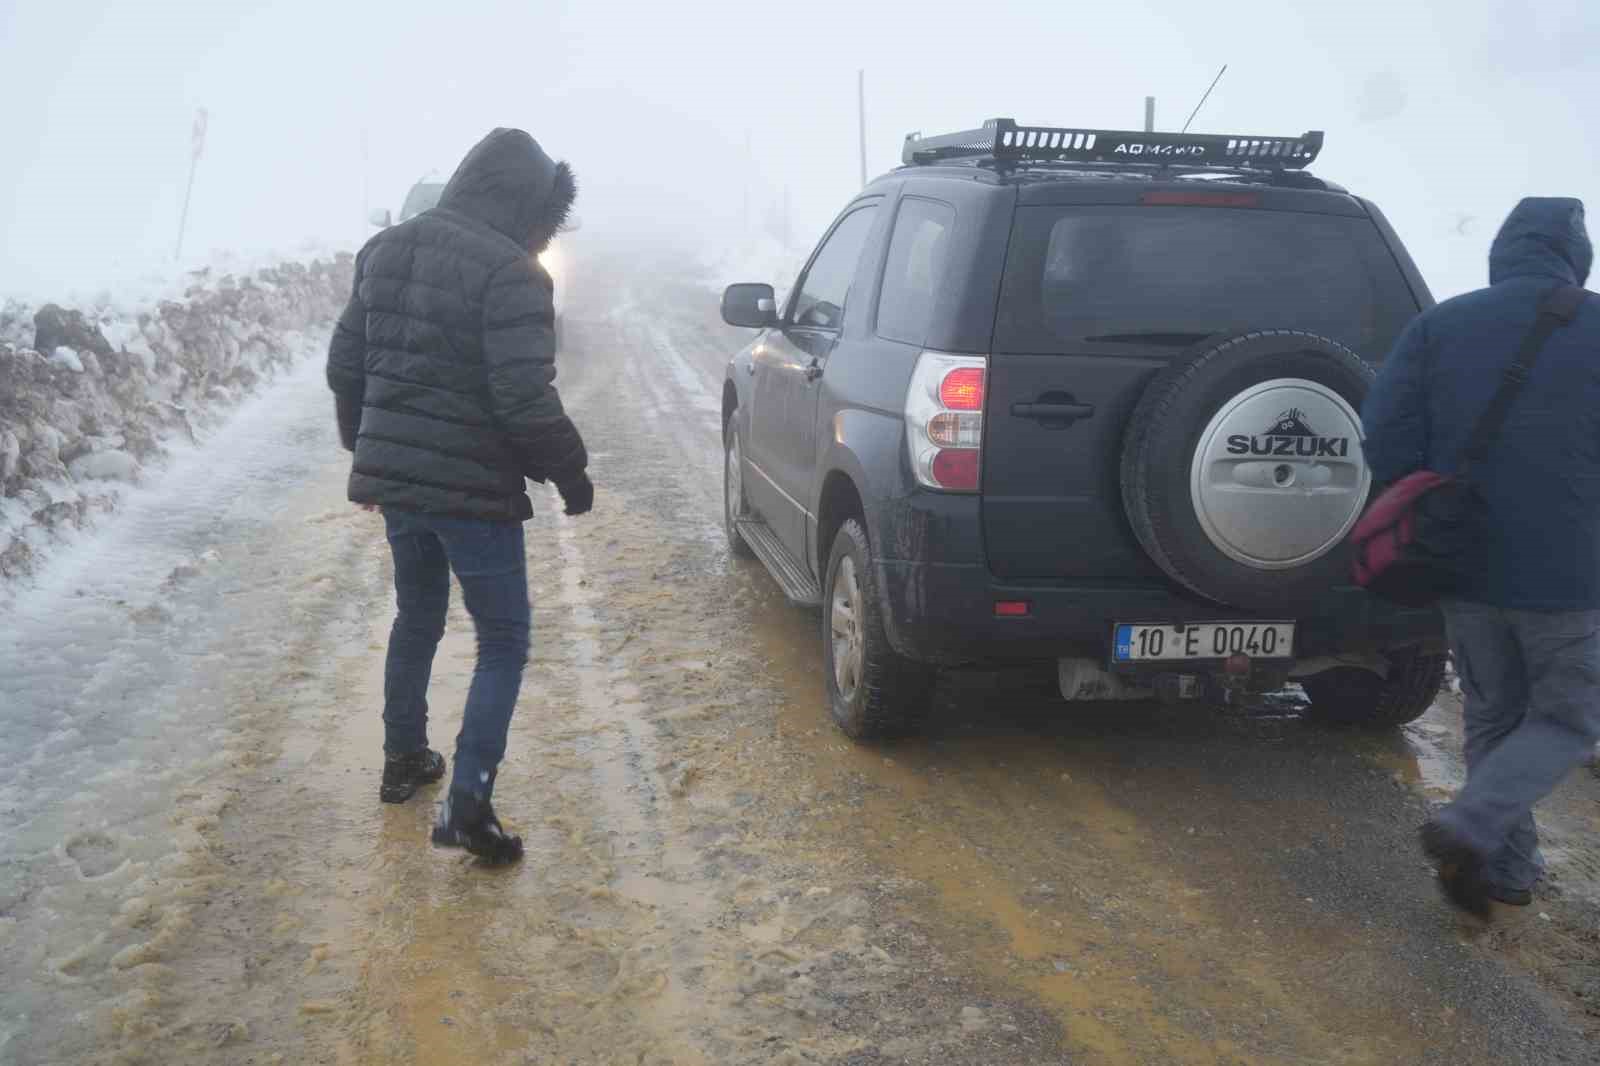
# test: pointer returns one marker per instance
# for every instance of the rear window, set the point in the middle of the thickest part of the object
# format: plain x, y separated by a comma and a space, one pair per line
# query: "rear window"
1165, 275
911, 279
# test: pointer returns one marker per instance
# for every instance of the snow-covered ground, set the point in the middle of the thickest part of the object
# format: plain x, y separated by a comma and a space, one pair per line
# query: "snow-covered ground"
93, 389
117, 662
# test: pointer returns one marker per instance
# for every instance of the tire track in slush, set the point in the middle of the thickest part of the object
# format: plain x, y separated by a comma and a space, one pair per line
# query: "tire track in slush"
652, 865
690, 419
702, 959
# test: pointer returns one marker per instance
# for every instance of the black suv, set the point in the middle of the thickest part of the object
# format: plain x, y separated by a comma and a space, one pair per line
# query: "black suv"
1085, 396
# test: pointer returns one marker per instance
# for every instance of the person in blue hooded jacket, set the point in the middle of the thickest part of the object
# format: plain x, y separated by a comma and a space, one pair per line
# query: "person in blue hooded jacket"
1525, 630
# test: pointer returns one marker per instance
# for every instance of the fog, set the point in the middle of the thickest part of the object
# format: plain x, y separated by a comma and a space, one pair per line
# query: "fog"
1443, 111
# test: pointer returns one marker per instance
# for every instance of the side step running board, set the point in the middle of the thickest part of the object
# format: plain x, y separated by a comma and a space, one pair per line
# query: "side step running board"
786, 570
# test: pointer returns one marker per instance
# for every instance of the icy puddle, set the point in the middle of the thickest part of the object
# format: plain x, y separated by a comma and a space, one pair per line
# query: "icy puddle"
127, 671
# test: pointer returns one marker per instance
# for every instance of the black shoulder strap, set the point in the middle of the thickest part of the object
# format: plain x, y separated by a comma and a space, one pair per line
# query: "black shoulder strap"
1558, 309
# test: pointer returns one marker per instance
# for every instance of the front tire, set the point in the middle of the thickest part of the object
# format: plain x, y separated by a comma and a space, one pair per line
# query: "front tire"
733, 502
873, 692
1350, 698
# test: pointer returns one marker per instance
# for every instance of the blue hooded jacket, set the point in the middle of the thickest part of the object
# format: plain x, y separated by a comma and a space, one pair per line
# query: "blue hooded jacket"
1542, 477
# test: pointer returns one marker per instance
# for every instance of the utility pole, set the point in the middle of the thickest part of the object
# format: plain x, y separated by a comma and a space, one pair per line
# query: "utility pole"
1149, 114
197, 146
861, 116
366, 210
747, 165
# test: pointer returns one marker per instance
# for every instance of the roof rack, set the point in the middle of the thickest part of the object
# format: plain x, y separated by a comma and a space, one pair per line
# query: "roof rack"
1005, 143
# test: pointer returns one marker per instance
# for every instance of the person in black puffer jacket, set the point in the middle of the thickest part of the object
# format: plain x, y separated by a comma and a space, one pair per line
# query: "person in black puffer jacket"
443, 369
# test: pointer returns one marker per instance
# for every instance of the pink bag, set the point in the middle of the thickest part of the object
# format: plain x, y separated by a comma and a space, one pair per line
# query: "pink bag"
1413, 545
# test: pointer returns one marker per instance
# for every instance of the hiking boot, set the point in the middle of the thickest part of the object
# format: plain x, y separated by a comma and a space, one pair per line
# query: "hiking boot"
404, 774
465, 821
1460, 870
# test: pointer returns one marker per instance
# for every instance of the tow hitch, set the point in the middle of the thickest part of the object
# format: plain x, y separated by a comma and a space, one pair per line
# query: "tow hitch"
1249, 693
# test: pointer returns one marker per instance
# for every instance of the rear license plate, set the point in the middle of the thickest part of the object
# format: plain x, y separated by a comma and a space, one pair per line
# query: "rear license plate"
1202, 640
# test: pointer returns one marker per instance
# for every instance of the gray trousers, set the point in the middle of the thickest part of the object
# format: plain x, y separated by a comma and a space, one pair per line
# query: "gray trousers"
1531, 683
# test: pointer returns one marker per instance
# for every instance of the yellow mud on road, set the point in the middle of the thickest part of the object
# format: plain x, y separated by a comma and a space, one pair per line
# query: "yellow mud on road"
715, 875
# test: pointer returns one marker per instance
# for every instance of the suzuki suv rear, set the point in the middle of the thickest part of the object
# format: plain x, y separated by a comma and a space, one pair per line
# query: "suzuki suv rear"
1083, 396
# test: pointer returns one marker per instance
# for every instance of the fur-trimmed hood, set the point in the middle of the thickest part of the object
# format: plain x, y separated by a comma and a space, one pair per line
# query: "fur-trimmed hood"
508, 182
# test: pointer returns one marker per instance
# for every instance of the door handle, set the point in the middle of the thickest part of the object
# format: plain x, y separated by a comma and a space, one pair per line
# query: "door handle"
813, 370
1053, 412
750, 368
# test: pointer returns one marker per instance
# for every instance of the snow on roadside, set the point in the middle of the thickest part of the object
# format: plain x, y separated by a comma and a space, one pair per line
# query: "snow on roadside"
132, 283
89, 392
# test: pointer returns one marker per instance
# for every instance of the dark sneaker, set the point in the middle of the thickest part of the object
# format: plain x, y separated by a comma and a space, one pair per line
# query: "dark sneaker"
465, 821
1511, 897
404, 774
1460, 870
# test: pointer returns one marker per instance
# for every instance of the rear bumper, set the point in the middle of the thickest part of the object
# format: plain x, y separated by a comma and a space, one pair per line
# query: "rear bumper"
944, 613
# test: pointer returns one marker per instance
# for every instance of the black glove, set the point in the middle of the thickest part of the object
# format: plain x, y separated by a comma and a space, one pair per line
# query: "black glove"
577, 493
348, 411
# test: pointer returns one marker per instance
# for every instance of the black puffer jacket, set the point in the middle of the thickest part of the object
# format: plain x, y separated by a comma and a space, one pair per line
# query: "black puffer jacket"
443, 364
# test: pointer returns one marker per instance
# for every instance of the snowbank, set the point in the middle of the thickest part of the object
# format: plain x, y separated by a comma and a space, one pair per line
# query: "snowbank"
123, 281
89, 393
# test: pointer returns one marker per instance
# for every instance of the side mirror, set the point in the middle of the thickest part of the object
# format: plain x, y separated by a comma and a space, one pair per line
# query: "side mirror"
571, 225
380, 217
750, 306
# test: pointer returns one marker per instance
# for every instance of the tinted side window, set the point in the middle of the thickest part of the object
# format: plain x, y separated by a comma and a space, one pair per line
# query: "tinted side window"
825, 289
915, 269
1087, 274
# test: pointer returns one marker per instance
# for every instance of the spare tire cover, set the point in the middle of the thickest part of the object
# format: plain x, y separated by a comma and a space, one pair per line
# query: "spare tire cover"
1242, 469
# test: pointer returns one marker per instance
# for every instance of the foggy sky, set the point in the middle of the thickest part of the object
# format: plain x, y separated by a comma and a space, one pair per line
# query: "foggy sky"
1443, 111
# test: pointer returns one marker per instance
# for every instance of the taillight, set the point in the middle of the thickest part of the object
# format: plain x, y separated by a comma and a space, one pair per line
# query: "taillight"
962, 389
956, 429
944, 420
955, 468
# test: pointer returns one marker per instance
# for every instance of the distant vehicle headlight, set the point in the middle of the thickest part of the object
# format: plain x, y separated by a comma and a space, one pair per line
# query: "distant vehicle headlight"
550, 259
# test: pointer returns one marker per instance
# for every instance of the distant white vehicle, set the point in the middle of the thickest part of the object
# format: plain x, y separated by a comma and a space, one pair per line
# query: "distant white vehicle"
425, 194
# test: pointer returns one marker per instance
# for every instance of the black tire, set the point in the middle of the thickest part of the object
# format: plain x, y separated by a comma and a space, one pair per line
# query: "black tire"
733, 509
891, 694
1158, 452
1352, 698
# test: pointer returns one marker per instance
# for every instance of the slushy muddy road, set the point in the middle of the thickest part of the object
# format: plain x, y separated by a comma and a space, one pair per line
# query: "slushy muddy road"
714, 874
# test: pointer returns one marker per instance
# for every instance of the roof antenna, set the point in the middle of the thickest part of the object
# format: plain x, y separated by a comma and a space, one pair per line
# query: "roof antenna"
1204, 98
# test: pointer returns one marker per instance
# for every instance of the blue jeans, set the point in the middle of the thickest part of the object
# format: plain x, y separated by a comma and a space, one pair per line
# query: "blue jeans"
1530, 682
489, 562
